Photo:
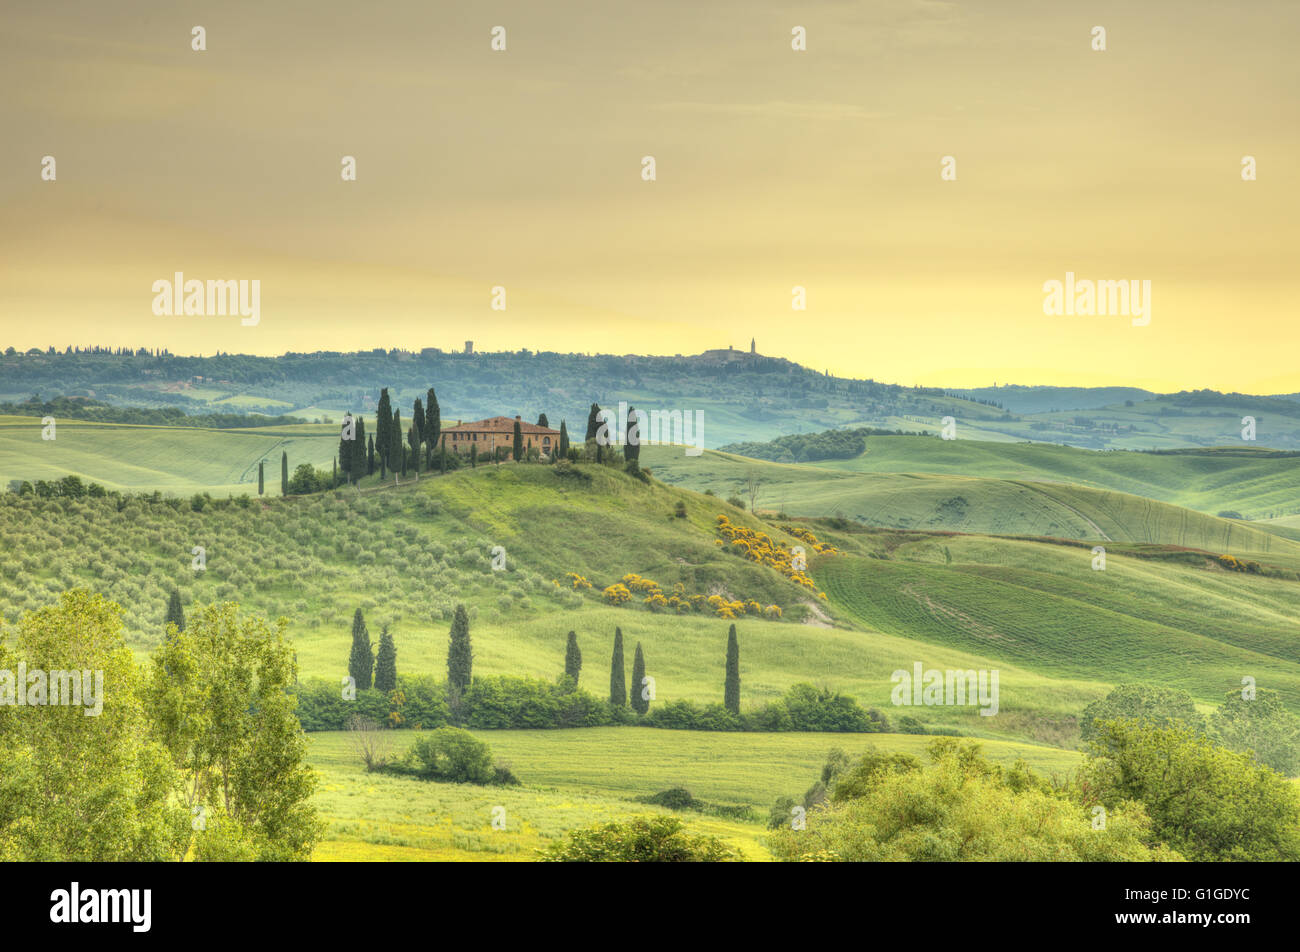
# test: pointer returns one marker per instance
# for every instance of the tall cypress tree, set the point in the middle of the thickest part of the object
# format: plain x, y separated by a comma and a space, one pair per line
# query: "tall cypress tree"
640, 703
261, 477
175, 614
460, 654
284, 473
345, 447
383, 424
370, 456
592, 424
731, 691
432, 422
632, 439
413, 440
564, 440
359, 461
417, 423
542, 421
572, 658
361, 662
519, 443
617, 680
396, 458
386, 663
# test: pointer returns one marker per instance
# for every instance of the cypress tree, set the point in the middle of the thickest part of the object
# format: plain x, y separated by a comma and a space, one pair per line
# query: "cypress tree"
396, 459
261, 477
564, 440
345, 450
175, 614
417, 423
384, 423
361, 662
473, 455
284, 473
542, 421
640, 704
631, 449
334, 476
370, 456
413, 440
359, 465
592, 424
460, 655
432, 423
572, 658
519, 443
731, 691
617, 680
386, 663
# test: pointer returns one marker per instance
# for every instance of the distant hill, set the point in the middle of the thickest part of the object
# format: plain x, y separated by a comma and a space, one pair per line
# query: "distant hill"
743, 397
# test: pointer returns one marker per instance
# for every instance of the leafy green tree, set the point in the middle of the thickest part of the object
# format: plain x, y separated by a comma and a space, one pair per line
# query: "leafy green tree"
432, 421
221, 702
617, 679
175, 613
962, 808
386, 663
640, 703
1262, 726
1145, 702
731, 691
460, 655
451, 755
572, 658
361, 661
1207, 802
78, 788
518, 447
284, 473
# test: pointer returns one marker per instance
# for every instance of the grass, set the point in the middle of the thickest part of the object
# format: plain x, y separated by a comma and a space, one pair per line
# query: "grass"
575, 778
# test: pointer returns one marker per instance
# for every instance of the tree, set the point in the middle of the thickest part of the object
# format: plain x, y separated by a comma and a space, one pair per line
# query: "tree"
564, 441
361, 662
460, 655
518, 442
75, 788
413, 440
632, 446
284, 473
370, 456
360, 463
644, 839
1261, 726
386, 663
542, 421
370, 742
396, 458
640, 701
617, 680
175, 614
473, 455
383, 428
731, 691
345, 448
752, 487
221, 701
572, 659
432, 421
261, 477
417, 422
1207, 802
1158, 706
593, 425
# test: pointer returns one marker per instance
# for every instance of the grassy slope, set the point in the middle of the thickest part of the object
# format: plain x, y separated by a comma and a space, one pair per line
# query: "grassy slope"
965, 503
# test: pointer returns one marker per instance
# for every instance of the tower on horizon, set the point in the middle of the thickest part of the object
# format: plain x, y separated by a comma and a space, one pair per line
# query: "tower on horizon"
469, 347
752, 348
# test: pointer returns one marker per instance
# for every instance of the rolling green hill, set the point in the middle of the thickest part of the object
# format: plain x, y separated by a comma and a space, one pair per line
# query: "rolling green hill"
963, 503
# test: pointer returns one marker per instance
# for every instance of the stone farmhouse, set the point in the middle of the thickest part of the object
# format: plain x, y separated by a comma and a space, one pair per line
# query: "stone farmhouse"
498, 431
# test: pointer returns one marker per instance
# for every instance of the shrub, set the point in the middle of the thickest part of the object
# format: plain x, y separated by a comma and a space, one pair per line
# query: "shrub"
451, 755
656, 839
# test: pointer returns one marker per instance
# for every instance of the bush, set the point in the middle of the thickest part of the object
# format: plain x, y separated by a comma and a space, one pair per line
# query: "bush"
657, 839
450, 755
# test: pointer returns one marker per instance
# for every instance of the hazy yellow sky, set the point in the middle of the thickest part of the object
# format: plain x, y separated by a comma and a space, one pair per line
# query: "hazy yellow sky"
775, 168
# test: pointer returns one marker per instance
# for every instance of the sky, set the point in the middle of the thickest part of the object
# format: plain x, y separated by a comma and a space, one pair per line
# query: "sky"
774, 169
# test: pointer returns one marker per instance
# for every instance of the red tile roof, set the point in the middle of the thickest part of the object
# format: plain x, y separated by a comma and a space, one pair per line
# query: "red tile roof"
501, 424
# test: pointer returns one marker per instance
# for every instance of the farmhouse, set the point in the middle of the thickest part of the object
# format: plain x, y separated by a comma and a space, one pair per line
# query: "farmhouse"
499, 431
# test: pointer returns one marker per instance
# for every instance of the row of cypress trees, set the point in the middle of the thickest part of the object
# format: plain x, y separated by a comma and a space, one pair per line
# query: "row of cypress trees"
368, 668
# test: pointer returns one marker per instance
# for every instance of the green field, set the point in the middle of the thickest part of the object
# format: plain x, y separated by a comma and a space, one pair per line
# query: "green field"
574, 778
